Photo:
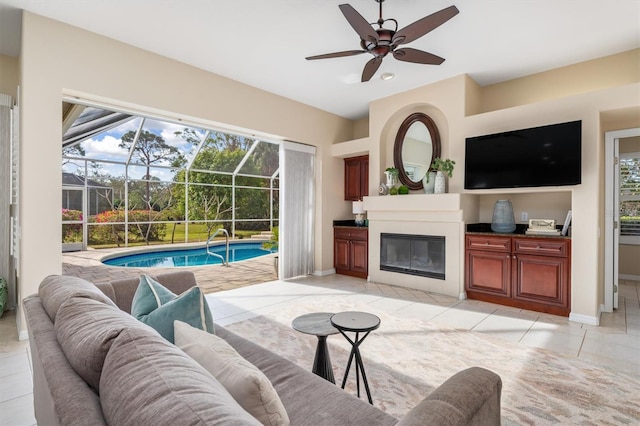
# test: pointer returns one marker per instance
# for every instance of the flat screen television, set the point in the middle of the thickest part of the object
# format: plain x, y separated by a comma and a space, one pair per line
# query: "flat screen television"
540, 156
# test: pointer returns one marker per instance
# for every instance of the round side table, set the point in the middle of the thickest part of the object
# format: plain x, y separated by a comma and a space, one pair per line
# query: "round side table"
357, 322
318, 324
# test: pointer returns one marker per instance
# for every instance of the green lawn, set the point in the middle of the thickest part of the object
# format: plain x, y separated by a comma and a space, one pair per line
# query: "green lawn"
197, 233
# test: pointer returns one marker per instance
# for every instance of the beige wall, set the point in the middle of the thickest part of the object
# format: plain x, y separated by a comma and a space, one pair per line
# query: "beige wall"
457, 107
610, 71
9, 75
59, 60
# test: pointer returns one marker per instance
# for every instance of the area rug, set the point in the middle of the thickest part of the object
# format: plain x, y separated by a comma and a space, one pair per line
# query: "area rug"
406, 359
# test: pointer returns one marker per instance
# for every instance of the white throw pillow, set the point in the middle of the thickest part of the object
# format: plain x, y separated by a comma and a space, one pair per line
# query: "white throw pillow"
243, 380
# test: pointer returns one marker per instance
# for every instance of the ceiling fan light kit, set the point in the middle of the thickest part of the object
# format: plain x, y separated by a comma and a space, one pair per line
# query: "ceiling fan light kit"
382, 41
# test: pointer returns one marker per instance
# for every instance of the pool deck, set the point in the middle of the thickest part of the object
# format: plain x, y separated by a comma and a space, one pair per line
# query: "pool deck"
211, 278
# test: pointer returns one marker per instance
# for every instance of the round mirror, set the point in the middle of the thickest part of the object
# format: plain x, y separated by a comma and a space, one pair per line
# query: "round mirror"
417, 144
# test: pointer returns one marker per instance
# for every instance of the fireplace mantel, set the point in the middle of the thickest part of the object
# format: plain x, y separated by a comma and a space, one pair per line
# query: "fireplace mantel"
422, 207
422, 214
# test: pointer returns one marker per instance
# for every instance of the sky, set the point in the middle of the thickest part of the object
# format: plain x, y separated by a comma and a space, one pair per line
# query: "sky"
105, 146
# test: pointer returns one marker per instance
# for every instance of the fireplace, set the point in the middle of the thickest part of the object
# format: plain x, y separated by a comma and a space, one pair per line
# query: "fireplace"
422, 255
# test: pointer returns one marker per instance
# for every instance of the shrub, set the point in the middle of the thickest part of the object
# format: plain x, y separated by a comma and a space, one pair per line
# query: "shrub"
72, 232
138, 232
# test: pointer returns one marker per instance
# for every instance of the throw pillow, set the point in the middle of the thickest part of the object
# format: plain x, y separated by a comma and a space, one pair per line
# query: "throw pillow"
157, 306
244, 381
148, 381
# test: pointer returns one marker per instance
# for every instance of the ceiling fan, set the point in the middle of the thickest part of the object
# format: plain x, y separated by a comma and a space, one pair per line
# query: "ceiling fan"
379, 42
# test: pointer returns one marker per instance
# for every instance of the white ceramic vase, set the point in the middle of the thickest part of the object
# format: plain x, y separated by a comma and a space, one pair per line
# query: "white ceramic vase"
430, 185
440, 183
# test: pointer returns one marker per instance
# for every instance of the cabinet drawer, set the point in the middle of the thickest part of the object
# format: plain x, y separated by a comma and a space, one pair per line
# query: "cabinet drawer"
546, 247
351, 233
488, 243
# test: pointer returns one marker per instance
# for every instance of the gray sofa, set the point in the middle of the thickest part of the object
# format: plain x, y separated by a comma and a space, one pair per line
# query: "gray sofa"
81, 341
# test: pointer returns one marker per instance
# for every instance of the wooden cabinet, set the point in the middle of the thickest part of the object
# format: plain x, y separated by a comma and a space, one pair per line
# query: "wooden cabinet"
526, 272
351, 251
356, 177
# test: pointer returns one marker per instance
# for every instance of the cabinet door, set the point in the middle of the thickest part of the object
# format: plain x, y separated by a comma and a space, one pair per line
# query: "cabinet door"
364, 177
352, 173
359, 256
356, 178
341, 254
541, 279
488, 272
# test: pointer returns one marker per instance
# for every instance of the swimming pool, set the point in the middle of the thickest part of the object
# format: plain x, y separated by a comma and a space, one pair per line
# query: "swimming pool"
188, 257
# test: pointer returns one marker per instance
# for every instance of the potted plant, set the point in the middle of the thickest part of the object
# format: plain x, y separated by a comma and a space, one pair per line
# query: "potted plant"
441, 167
272, 246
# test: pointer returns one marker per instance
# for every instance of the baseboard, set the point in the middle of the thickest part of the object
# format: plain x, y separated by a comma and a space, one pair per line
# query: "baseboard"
586, 319
324, 273
629, 277
462, 296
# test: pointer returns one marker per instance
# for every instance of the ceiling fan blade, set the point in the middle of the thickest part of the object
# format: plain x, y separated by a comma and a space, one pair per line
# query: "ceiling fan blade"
370, 68
336, 54
362, 27
422, 26
417, 56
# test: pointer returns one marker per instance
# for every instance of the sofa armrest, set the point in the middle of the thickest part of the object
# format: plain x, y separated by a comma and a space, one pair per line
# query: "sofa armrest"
60, 396
122, 291
470, 397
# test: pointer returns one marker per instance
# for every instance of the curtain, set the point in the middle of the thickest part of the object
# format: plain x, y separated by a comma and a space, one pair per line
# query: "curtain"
297, 171
6, 125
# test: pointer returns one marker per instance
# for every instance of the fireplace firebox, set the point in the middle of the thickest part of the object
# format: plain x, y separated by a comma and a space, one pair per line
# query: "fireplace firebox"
422, 255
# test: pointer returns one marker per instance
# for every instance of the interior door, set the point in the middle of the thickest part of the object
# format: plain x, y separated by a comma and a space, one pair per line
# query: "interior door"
612, 214
616, 219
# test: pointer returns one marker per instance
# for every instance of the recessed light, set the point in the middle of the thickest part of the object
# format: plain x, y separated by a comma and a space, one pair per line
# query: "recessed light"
387, 75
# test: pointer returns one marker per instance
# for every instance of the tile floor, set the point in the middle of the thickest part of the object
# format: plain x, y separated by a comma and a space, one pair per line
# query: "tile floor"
615, 344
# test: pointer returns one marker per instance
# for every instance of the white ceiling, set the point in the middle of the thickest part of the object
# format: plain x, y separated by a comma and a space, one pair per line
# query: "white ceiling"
263, 43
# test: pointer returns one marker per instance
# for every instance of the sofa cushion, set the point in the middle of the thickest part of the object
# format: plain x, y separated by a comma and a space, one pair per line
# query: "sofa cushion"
54, 290
85, 330
122, 291
146, 380
155, 305
246, 383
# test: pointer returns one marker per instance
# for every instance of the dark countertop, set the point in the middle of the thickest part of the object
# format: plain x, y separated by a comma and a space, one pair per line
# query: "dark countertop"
348, 223
485, 229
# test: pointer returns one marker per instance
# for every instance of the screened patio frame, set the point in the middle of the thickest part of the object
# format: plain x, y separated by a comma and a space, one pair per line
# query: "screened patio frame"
120, 118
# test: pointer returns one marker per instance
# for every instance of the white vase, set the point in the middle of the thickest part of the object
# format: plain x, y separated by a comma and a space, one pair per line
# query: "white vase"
439, 187
429, 184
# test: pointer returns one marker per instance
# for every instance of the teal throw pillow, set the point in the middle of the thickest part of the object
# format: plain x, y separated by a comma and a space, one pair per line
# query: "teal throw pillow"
158, 307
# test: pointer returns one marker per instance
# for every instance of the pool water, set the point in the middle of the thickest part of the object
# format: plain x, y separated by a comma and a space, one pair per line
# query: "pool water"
188, 257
